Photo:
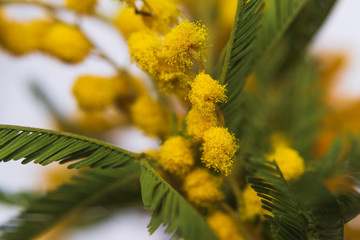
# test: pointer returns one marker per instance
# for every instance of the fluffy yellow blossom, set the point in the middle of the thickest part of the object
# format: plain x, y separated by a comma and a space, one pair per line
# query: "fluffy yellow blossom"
128, 22
163, 14
289, 161
83, 6
22, 37
202, 188
66, 42
205, 92
176, 156
182, 42
150, 116
251, 205
197, 124
224, 226
143, 47
219, 148
94, 92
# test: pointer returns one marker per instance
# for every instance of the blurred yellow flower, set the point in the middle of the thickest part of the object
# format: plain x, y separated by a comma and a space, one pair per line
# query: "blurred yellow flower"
182, 42
83, 6
205, 92
94, 92
164, 14
128, 22
197, 124
22, 37
219, 148
289, 161
66, 42
176, 156
151, 117
251, 205
202, 188
224, 226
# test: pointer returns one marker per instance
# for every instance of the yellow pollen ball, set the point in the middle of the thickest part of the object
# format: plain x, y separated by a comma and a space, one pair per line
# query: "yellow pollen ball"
66, 42
128, 22
164, 14
224, 226
176, 156
143, 47
251, 207
94, 92
22, 37
289, 161
202, 188
83, 6
181, 41
197, 125
151, 117
219, 148
205, 92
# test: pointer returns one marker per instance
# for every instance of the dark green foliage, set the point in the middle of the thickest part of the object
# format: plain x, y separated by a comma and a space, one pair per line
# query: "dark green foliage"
46, 146
267, 180
91, 188
239, 57
307, 24
17, 199
170, 208
277, 19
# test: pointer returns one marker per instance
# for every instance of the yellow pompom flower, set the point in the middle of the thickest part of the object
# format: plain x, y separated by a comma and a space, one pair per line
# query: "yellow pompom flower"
202, 188
219, 148
182, 42
22, 37
66, 42
251, 205
176, 156
289, 161
163, 14
197, 124
143, 47
128, 22
83, 6
224, 226
94, 92
205, 92
151, 117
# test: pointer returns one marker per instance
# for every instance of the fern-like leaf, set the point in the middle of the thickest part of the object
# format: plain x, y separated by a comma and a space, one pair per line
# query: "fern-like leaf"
170, 208
270, 185
277, 18
239, 57
46, 146
21, 199
91, 188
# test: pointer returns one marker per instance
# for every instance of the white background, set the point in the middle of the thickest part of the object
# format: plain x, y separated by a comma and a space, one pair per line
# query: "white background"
19, 107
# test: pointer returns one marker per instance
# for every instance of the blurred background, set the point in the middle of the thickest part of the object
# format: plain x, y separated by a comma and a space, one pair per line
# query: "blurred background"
19, 105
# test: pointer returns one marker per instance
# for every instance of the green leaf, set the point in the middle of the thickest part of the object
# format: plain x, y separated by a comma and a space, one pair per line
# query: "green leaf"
349, 204
46, 146
277, 18
239, 57
267, 180
307, 24
91, 188
319, 206
170, 208
21, 199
